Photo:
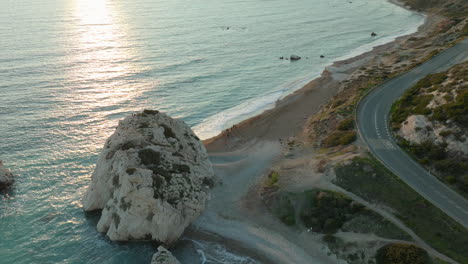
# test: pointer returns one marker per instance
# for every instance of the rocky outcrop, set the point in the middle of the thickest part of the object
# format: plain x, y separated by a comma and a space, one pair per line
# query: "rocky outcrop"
6, 177
418, 129
151, 179
164, 256
294, 58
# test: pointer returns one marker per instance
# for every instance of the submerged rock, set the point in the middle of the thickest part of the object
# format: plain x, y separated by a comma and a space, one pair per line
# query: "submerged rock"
294, 57
373, 34
151, 179
164, 256
6, 177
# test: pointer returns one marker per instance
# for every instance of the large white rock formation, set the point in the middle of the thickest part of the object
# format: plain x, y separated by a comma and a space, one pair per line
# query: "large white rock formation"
151, 179
163, 256
6, 177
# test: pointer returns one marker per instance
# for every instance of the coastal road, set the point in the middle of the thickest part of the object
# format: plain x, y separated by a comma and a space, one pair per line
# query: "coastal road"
373, 125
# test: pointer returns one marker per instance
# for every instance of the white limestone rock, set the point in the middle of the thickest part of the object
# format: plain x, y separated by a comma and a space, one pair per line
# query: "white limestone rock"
164, 256
414, 129
151, 179
418, 128
6, 177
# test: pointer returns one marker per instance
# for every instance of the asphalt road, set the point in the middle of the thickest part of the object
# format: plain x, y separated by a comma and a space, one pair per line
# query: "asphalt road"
373, 125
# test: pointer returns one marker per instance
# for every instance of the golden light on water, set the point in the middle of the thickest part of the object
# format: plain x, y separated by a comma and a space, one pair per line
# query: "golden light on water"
93, 12
100, 80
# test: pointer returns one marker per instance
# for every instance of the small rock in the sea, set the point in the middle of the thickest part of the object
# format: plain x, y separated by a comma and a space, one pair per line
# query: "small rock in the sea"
281, 58
295, 57
6, 177
151, 180
321, 56
373, 34
164, 256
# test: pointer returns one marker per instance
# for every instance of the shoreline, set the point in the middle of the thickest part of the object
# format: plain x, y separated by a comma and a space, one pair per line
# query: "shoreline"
312, 95
304, 82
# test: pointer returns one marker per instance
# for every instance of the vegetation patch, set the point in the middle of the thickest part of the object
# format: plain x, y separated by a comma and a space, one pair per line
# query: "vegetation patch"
402, 254
345, 125
327, 212
450, 168
368, 179
283, 207
272, 179
338, 138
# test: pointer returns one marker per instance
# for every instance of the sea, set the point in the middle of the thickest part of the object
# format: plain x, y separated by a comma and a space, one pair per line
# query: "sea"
71, 69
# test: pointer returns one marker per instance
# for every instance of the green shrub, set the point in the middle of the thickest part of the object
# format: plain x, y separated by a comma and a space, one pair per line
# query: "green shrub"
402, 254
329, 211
339, 138
273, 179
346, 124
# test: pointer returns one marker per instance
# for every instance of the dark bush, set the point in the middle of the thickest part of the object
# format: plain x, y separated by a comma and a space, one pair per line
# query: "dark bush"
346, 124
402, 254
329, 212
339, 138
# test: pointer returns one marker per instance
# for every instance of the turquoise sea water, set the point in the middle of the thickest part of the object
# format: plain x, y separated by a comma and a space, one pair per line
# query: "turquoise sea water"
70, 69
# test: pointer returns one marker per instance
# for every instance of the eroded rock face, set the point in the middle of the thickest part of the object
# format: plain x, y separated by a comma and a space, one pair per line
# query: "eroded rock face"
6, 177
151, 179
164, 256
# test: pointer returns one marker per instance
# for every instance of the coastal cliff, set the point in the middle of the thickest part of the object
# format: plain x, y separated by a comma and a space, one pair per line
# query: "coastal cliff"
151, 179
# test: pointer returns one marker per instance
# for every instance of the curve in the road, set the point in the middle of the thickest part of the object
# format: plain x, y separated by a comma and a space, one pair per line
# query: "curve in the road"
372, 119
